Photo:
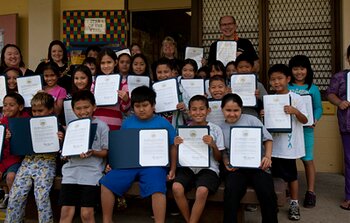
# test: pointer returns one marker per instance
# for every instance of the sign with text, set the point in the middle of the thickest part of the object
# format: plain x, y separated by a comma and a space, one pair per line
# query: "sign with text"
95, 26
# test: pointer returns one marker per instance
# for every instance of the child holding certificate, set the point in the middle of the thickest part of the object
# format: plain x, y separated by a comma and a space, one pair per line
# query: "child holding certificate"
238, 179
206, 180
81, 79
38, 170
11, 74
287, 147
13, 108
152, 179
82, 173
189, 69
139, 65
302, 83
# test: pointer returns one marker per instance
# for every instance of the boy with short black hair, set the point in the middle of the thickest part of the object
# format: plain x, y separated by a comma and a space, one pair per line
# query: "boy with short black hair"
287, 147
81, 174
152, 179
206, 180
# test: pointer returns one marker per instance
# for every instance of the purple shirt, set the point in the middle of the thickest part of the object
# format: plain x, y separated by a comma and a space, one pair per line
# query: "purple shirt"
338, 87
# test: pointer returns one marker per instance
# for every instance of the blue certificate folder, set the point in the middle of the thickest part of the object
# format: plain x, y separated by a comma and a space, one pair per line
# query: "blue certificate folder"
124, 148
21, 141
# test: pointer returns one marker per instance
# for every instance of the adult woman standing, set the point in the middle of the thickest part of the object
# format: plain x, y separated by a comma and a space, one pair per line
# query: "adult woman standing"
11, 56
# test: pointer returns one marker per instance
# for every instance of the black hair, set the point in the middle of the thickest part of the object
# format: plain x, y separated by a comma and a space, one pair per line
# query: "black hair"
89, 60
85, 70
105, 52
302, 61
3, 64
95, 48
64, 49
18, 98
162, 61
218, 65
204, 69
282, 68
143, 57
84, 95
244, 57
191, 62
142, 94
51, 66
217, 78
198, 98
231, 97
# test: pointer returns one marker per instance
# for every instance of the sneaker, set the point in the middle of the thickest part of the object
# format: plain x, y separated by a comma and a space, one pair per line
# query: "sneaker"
310, 199
251, 207
294, 212
4, 202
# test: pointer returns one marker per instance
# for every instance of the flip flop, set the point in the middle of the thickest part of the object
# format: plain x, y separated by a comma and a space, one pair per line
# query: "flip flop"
345, 205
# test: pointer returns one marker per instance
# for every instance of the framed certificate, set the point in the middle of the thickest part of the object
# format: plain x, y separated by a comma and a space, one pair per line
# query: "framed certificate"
307, 100
348, 86
2, 138
193, 87
196, 54
275, 119
149, 147
215, 116
245, 85
245, 147
167, 95
226, 51
193, 152
106, 87
28, 86
44, 131
69, 114
135, 81
3, 91
77, 137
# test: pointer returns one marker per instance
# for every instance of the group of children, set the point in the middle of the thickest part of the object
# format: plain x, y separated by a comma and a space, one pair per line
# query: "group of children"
83, 174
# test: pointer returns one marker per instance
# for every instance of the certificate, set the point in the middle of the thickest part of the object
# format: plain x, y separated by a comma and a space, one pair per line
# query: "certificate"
77, 137
135, 81
245, 146
226, 51
245, 85
106, 87
2, 138
193, 87
28, 86
307, 100
196, 54
3, 91
123, 51
153, 147
193, 152
69, 114
348, 86
215, 116
167, 95
206, 84
275, 119
44, 131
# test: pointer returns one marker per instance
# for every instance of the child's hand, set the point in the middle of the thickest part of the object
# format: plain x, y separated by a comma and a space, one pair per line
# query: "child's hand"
344, 105
178, 140
181, 106
290, 110
60, 136
265, 163
87, 154
123, 95
108, 168
171, 175
230, 168
65, 158
208, 139
257, 93
8, 134
203, 61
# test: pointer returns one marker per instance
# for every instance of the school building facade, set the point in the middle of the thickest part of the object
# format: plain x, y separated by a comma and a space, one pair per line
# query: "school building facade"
278, 30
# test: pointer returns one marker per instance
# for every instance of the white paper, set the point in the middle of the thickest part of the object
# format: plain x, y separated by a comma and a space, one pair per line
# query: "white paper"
195, 53
193, 87
28, 86
106, 89
44, 136
215, 116
2, 90
307, 100
122, 51
193, 152
135, 81
245, 85
154, 147
206, 83
2, 137
69, 114
245, 147
167, 95
77, 137
226, 51
274, 115
348, 86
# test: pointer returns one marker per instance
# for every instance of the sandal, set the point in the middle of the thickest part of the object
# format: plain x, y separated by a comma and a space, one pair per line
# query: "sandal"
345, 205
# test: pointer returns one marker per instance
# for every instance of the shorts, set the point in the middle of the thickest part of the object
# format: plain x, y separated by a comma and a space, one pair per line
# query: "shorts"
284, 168
79, 195
151, 180
309, 144
204, 177
13, 168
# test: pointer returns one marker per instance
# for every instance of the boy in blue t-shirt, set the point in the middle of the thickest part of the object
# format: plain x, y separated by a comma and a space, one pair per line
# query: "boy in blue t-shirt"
152, 179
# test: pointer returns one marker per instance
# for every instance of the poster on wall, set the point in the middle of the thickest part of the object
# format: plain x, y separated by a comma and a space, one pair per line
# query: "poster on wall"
95, 26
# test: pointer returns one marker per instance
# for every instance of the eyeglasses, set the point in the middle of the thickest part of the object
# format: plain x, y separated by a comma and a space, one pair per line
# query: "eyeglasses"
227, 24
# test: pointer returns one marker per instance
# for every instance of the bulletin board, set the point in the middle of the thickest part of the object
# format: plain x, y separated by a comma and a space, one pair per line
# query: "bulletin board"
75, 33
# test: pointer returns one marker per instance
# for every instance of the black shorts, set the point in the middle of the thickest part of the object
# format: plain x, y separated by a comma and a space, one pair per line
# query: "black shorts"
284, 168
204, 177
79, 195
